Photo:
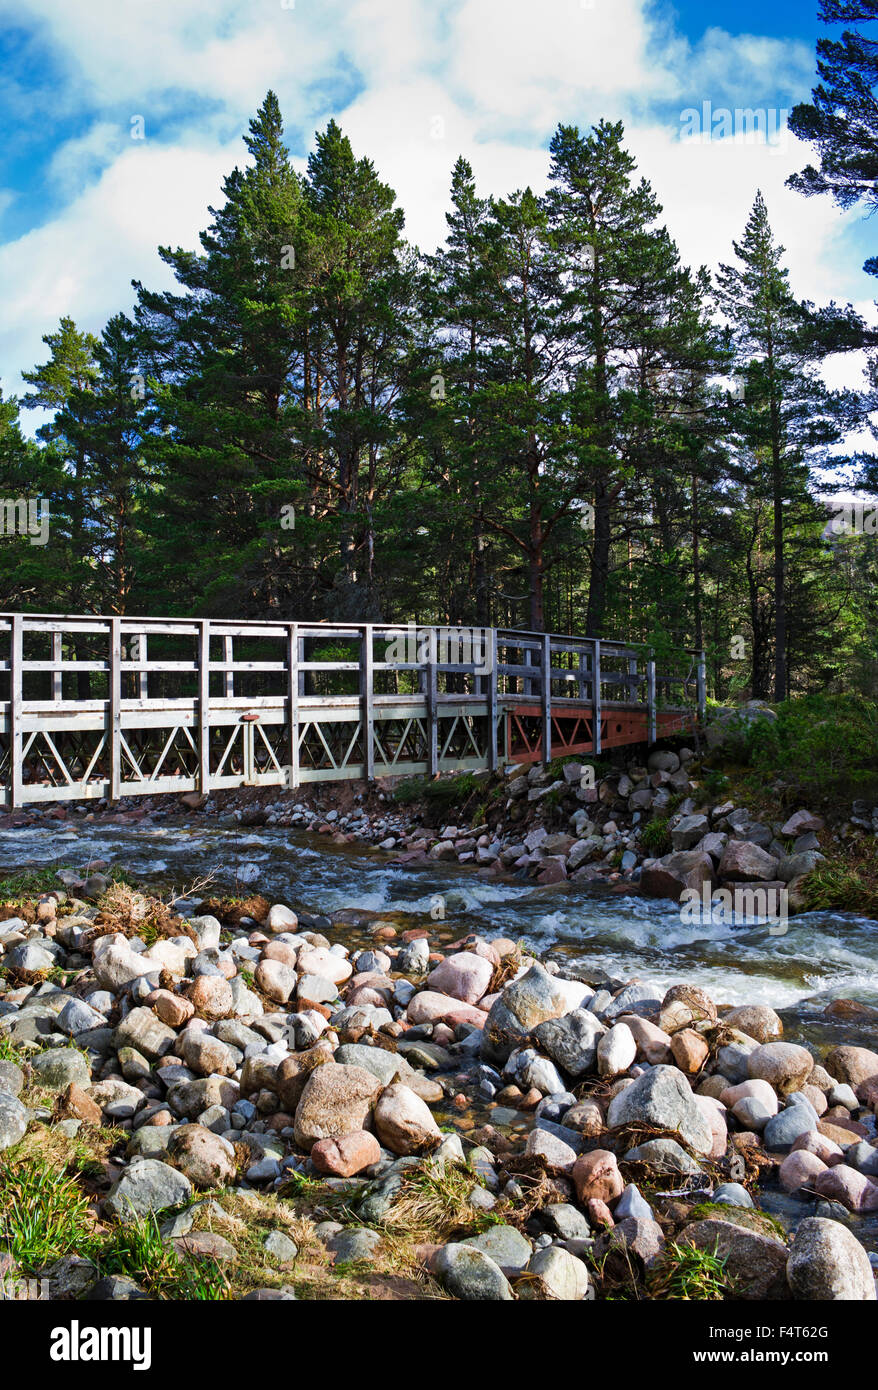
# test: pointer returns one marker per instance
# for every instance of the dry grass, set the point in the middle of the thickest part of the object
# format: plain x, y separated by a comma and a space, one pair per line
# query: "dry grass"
126, 911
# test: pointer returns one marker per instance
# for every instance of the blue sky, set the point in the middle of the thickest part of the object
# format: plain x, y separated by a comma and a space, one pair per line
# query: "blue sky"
83, 206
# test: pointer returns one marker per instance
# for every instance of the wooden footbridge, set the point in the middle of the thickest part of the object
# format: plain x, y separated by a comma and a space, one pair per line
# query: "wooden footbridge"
112, 707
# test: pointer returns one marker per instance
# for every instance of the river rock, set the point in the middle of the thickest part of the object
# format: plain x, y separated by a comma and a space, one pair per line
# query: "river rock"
596, 1175
506, 1246
145, 1187
616, 1050
800, 1169
556, 1274
783, 1129
684, 1005
828, 1264
335, 1100
347, 1155
14, 1118
756, 1263
671, 875
665, 1155
785, 1066
205, 1158
404, 1123
278, 980
206, 1055
858, 1068
142, 1030
756, 1020
212, 996
465, 976
844, 1184
471, 1275
689, 1051
329, 965
663, 1097
523, 1005
744, 861
572, 1041
116, 963
59, 1066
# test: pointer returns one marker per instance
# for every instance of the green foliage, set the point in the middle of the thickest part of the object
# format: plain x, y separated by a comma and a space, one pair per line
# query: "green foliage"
138, 1250
27, 884
822, 743
687, 1273
43, 1214
656, 838
715, 782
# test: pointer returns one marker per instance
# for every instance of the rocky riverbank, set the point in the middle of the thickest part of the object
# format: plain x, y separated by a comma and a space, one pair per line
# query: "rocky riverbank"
307, 1106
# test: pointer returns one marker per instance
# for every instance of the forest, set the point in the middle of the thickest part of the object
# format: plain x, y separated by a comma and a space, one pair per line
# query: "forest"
551, 423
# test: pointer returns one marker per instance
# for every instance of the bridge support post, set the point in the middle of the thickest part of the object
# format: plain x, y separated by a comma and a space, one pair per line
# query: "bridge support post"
204, 707
432, 702
650, 701
490, 659
114, 709
294, 645
16, 738
546, 698
367, 695
596, 696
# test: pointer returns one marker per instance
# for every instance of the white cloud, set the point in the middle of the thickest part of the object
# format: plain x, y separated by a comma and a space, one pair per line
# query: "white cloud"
498, 74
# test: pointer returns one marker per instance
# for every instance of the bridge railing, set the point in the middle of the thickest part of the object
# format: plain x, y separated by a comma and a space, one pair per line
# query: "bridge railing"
111, 706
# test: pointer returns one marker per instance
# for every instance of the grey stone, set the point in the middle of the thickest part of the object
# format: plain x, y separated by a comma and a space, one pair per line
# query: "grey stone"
354, 1243
863, 1157
13, 1120
521, 1007
732, 1194
557, 1274
142, 1030
147, 1186
571, 1041
783, 1129
662, 1097
60, 1066
794, 865
631, 999
828, 1263
11, 1078
631, 1203
115, 1288
666, 1155
566, 1221
471, 1275
280, 1247
79, 1017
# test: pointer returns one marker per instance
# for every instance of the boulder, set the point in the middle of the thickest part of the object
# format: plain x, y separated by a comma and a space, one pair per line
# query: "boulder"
465, 976
523, 1005
205, 1158
404, 1123
471, 1275
828, 1264
347, 1155
14, 1118
145, 1187
335, 1100
744, 861
663, 1097
571, 1041
556, 1274
756, 1020
670, 876
785, 1066
756, 1263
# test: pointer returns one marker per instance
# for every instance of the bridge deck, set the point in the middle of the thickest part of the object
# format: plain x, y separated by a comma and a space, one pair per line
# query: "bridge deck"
111, 707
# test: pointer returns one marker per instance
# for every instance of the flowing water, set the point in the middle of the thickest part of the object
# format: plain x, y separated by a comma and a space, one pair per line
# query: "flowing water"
822, 956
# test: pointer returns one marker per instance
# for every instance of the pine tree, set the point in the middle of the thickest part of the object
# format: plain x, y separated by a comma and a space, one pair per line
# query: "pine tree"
786, 421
